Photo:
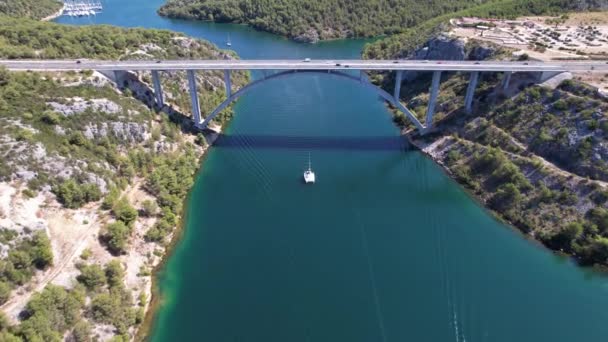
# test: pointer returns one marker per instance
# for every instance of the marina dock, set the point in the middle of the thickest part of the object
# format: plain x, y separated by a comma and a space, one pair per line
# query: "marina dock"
78, 8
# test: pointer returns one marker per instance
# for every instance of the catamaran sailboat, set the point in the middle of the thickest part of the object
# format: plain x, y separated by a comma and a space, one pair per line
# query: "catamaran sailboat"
309, 175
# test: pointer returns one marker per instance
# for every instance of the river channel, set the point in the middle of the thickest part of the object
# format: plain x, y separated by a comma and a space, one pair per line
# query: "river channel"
384, 247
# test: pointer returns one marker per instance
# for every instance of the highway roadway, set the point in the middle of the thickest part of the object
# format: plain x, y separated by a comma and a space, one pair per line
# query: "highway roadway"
169, 65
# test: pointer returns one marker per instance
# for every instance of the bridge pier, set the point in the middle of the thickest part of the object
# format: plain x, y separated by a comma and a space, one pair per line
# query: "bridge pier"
158, 90
468, 98
430, 111
506, 79
196, 109
227, 83
398, 78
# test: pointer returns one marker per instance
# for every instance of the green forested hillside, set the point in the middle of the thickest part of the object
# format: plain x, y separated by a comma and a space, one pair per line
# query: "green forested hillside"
21, 38
35, 9
318, 19
311, 20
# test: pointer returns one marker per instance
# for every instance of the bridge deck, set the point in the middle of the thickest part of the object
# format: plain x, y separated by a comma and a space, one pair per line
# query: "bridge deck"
496, 66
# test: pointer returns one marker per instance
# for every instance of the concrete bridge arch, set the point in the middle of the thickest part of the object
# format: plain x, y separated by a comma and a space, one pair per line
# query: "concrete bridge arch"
231, 97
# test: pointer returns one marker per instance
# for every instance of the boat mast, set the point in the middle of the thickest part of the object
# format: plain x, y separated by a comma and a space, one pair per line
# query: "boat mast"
309, 168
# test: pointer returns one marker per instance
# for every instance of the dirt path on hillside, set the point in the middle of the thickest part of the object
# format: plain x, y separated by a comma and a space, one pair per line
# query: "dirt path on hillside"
69, 231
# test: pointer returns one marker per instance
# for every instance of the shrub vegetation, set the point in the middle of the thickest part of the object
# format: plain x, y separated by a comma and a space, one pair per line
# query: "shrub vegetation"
35, 9
328, 19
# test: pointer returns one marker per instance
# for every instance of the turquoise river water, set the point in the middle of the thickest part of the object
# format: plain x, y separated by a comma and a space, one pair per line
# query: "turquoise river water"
384, 247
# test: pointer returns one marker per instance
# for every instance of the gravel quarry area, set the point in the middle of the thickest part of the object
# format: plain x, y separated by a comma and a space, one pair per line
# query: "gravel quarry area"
570, 37
559, 37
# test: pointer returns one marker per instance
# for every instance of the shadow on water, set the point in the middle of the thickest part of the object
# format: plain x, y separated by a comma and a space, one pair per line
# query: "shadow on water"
351, 143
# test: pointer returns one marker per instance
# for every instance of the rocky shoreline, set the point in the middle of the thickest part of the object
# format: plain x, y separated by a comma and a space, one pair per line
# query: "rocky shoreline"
437, 150
55, 15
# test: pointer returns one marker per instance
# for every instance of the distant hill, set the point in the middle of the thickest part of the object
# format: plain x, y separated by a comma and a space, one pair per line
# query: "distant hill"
312, 20
35, 9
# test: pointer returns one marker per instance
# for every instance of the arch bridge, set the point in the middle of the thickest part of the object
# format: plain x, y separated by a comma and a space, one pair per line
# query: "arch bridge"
336, 68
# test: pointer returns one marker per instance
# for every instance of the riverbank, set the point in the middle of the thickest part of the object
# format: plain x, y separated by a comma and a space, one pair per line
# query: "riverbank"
438, 149
55, 15
548, 203
145, 330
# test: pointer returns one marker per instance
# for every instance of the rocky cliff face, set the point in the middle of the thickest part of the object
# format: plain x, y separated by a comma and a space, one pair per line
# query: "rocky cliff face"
309, 36
446, 48
127, 132
78, 105
441, 47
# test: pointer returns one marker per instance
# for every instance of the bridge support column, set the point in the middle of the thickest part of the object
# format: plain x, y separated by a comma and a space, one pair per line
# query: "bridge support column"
227, 83
430, 111
506, 79
468, 98
158, 90
196, 109
398, 77
116, 77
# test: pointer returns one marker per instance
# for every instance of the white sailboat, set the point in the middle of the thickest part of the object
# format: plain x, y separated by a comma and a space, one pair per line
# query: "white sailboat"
228, 41
309, 175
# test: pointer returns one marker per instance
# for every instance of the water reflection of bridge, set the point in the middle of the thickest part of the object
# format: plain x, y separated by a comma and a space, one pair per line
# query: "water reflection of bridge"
371, 143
